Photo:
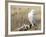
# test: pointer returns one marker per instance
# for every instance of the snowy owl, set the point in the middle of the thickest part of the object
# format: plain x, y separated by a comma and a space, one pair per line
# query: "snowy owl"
33, 17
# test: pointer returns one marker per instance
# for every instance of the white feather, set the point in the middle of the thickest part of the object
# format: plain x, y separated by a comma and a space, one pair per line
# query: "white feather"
32, 16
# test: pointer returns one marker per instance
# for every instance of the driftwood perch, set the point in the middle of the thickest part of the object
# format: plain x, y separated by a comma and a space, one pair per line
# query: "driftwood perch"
24, 28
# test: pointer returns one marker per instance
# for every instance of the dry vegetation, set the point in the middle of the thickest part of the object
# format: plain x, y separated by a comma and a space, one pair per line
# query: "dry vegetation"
19, 16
